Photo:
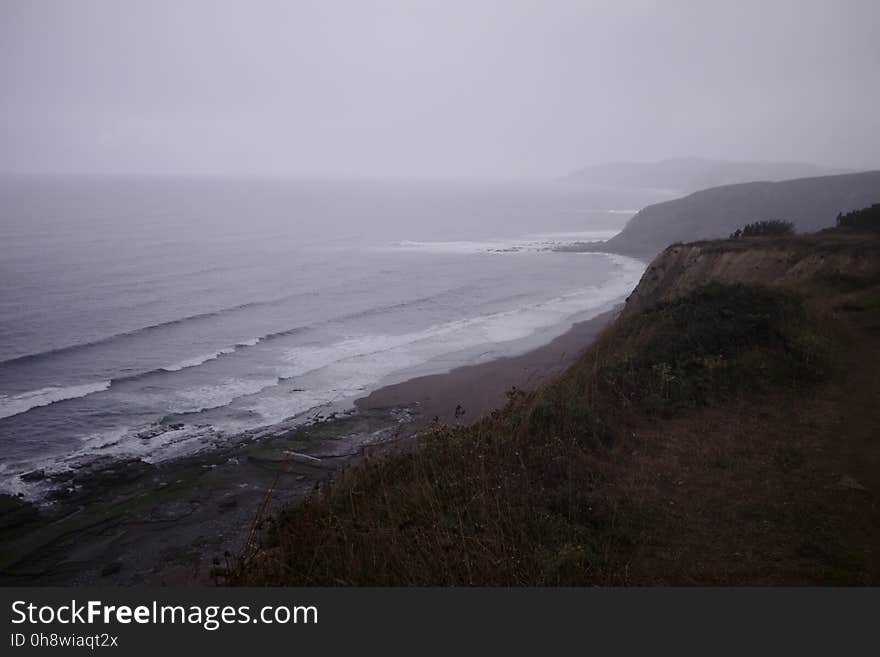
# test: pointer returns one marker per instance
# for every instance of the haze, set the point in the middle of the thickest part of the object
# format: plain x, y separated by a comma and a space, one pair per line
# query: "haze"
450, 88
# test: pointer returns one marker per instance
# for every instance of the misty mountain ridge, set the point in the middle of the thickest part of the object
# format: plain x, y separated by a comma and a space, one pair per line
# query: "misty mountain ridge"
690, 174
811, 204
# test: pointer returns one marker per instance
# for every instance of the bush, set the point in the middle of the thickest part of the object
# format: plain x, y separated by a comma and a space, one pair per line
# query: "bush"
772, 227
864, 219
717, 341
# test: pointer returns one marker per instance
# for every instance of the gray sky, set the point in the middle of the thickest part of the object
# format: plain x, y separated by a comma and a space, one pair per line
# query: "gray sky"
433, 87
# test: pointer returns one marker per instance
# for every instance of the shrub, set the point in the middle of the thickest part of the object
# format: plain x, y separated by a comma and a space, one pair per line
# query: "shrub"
714, 342
770, 228
864, 219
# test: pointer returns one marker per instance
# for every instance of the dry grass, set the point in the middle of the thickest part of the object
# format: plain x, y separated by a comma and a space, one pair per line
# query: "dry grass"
725, 438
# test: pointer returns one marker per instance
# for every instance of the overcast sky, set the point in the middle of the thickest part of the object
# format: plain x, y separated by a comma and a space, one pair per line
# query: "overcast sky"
433, 87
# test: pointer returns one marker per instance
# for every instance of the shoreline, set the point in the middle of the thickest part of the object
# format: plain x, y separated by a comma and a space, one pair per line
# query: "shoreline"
180, 522
480, 388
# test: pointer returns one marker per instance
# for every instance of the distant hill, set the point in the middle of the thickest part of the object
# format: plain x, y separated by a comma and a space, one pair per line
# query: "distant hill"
685, 175
809, 203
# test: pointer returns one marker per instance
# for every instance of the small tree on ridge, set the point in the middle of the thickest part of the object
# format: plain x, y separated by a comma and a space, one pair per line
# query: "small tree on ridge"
769, 228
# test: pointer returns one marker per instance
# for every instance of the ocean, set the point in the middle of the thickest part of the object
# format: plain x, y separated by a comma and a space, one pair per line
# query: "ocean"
158, 317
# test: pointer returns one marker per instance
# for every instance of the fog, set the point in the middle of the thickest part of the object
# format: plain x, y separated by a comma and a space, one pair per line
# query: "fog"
450, 88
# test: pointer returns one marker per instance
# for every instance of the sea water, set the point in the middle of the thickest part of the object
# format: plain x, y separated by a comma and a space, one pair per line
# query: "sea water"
156, 317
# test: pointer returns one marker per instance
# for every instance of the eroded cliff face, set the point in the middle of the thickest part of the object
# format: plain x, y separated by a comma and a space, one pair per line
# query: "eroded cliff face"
786, 262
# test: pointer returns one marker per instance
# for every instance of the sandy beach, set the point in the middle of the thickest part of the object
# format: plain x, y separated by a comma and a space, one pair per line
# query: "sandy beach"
478, 389
182, 522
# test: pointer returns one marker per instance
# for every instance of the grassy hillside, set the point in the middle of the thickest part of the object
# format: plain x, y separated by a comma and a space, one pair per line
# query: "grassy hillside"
721, 431
810, 203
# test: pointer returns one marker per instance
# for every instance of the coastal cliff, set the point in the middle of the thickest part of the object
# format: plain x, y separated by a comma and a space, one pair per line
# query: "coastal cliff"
778, 262
809, 203
721, 431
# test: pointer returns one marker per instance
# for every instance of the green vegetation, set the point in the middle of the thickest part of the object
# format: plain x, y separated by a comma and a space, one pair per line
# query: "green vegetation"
770, 228
864, 219
542, 492
714, 343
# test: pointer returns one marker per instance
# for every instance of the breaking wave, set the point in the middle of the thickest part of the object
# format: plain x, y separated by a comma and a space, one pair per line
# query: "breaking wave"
21, 403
